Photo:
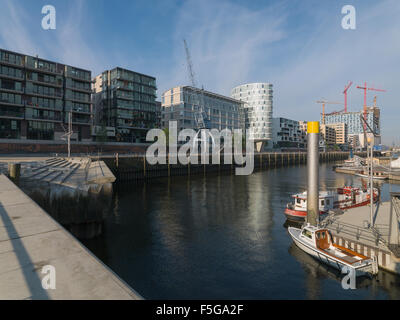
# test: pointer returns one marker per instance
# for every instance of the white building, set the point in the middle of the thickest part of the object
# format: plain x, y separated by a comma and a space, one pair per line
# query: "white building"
257, 98
181, 104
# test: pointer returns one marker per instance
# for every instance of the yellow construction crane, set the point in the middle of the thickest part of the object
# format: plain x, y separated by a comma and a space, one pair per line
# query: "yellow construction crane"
324, 102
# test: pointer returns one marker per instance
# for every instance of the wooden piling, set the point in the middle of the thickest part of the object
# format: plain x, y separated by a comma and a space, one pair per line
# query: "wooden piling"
14, 172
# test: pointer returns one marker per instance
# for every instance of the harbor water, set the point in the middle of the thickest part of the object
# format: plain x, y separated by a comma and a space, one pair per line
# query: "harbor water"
224, 237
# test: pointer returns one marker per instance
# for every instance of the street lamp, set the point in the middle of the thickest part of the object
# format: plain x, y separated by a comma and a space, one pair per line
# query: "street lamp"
371, 186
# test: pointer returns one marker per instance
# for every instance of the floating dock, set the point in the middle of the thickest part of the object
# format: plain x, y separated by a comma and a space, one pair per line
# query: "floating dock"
352, 229
394, 174
30, 239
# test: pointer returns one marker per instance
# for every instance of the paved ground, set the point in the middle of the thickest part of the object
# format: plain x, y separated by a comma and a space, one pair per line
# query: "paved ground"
354, 223
30, 239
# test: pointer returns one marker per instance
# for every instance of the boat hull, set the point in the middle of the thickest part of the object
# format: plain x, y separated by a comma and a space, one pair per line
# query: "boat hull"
297, 215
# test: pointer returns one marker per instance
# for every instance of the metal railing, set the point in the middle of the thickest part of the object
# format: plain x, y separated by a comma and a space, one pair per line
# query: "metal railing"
379, 233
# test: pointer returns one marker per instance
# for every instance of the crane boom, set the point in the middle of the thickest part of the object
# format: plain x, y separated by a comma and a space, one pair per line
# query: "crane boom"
189, 65
345, 95
200, 115
324, 102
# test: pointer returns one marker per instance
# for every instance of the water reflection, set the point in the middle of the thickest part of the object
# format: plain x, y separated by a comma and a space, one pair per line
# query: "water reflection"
220, 237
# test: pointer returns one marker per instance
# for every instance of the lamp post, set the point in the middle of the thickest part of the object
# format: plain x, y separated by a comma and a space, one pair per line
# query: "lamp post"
371, 184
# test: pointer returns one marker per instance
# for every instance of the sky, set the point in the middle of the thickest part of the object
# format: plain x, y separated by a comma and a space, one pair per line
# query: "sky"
297, 45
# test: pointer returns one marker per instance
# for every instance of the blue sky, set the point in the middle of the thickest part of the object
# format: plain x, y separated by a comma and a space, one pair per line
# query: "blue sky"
297, 45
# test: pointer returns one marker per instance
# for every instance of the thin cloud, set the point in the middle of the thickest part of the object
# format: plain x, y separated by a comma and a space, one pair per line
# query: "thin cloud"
225, 41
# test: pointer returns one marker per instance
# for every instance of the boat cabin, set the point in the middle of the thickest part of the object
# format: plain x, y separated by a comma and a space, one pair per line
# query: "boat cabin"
321, 238
326, 201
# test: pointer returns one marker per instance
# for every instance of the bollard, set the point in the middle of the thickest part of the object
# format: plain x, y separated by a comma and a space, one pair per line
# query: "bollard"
312, 172
14, 170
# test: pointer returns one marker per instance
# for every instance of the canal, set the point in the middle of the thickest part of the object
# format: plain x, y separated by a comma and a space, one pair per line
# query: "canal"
223, 237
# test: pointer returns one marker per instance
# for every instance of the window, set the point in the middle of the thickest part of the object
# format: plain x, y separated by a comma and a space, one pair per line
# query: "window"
307, 233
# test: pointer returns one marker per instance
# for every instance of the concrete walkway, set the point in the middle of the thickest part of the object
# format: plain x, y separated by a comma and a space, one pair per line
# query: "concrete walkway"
30, 239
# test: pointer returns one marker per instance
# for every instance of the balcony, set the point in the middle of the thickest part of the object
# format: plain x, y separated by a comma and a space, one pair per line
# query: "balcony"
79, 120
56, 117
11, 114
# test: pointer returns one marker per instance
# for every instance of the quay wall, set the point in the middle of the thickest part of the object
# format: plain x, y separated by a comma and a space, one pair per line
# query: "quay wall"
31, 239
136, 168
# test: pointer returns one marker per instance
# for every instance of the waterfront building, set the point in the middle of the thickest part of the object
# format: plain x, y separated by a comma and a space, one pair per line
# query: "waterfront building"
328, 134
125, 100
181, 104
341, 134
354, 123
37, 95
286, 133
258, 106
303, 129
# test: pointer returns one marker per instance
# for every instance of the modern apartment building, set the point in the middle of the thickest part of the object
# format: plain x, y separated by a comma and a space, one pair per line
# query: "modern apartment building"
286, 133
182, 103
341, 134
257, 98
125, 100
328, 134
37, 95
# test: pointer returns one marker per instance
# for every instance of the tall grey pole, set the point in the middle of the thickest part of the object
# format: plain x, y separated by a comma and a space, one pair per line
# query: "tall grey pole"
312, 172
371, 183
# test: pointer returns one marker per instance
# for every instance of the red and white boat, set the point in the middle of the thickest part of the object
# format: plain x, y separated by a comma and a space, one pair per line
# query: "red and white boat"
341, 198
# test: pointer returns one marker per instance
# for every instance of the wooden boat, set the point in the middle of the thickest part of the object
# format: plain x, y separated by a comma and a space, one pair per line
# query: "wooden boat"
342, 198
318, 243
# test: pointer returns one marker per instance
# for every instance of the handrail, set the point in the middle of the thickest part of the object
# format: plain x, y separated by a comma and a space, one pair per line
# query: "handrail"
372, 234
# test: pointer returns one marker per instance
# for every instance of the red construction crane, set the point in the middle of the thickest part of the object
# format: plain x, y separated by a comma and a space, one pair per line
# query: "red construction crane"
345, 95
365, 88
323, 108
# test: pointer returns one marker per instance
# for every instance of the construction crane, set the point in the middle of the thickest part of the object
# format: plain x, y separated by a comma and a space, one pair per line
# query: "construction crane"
200, 115
365, 88
324, 102
345, 95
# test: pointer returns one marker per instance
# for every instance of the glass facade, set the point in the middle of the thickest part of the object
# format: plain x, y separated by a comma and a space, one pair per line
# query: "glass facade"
353, 121
257, 98
127, 102
41, 94
287, 133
